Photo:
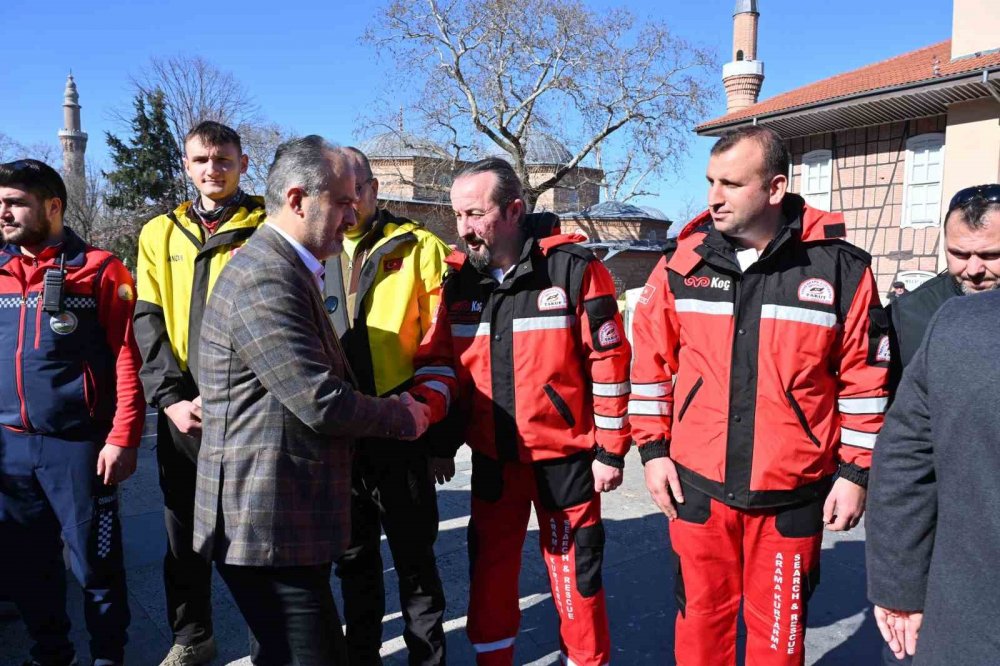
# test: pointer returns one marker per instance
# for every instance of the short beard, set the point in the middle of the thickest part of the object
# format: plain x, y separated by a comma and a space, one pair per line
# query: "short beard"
31, 237
481, 260
966, 291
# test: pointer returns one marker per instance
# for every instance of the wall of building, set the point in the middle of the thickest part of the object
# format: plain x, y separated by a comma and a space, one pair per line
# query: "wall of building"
975, 27
867, 187
972, 147
630, 269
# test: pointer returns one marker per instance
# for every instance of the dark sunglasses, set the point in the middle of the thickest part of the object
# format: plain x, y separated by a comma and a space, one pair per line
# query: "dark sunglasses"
989, 193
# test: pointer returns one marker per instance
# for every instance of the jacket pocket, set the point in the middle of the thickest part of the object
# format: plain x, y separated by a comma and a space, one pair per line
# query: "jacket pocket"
689, 398
589, 559
802, 418
560, 405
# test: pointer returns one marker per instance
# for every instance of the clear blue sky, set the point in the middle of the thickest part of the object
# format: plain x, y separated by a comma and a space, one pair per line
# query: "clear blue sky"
309, 70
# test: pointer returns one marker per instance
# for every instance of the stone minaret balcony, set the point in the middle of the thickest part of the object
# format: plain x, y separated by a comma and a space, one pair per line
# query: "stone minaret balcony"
72, 137
744, 75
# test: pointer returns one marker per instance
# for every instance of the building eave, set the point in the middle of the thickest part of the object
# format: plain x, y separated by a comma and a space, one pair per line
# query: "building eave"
902, 102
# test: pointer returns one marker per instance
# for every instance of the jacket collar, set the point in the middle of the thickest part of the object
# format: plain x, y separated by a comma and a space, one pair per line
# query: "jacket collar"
699, 240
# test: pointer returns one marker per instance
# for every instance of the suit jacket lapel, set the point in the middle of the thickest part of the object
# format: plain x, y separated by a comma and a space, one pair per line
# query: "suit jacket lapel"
274, 240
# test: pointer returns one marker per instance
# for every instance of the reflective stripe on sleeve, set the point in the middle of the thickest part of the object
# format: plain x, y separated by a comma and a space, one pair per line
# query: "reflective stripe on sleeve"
609, 422
441, 388
657, 390
648, 408
863, 405
610, 390
435, 370
864, 440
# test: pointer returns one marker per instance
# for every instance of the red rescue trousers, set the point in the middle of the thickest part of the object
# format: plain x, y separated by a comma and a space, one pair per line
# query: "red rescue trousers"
571, 537
767, 557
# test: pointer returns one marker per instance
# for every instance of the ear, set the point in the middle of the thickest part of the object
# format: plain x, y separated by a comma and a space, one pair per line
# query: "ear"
374, 185
54, 208
187, 167
777, 188
516, 208
244, 163
295, 199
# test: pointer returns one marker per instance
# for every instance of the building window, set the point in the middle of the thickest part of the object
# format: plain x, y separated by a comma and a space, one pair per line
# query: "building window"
922, 185
739, 55
817, 170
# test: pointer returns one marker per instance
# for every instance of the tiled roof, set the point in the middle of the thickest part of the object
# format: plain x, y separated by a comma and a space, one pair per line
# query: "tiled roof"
928, 64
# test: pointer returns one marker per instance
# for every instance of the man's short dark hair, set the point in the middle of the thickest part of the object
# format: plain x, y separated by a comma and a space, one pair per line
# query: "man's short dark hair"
775, 153
215, 134
508, 187
36, 177
974, 203
361, 157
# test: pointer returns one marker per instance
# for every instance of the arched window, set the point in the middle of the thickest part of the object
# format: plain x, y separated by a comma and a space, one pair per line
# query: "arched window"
817, 178
739, 55
922, 181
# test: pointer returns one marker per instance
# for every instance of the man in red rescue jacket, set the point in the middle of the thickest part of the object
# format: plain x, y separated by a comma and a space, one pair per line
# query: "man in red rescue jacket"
529, 345
758, 389
71, 415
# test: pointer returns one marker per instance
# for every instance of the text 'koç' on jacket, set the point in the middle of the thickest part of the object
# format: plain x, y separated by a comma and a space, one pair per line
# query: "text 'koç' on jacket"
71, 373
759, 384
398, 292
177, 268
538, 362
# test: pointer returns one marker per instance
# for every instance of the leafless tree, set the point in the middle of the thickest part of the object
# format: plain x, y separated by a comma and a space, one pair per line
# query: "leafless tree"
196, 90
12, 149
85, 210
483, 76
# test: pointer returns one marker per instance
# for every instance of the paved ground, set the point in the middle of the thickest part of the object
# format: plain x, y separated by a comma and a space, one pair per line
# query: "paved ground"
637, 576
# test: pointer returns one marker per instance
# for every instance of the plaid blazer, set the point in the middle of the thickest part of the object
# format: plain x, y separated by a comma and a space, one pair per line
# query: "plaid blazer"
280, 415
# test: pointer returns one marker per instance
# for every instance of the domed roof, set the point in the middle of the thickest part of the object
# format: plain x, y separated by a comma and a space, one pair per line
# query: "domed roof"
616, 210
400, 145
541, 149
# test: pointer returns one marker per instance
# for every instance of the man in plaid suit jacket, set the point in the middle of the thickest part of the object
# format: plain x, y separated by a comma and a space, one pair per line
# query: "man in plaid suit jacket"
280, 414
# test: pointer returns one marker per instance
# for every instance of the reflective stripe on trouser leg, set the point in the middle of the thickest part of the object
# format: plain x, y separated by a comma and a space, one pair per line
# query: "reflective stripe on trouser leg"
778, 578
706, 540
572, 545
496, 537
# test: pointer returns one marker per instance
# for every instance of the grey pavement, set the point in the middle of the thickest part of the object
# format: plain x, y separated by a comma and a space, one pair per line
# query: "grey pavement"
638, 579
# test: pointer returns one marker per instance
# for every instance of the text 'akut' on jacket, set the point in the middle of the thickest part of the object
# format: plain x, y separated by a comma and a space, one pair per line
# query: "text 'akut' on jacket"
538, 362
761, 383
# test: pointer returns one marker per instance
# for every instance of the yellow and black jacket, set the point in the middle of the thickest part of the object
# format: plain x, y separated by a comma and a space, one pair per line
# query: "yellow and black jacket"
177, 269
398, 292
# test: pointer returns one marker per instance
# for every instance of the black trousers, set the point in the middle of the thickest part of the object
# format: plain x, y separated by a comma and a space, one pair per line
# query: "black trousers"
187, 577
290, 611
394, 493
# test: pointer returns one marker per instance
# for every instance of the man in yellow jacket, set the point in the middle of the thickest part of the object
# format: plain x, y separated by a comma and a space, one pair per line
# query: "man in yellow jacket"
382, 297
181, 254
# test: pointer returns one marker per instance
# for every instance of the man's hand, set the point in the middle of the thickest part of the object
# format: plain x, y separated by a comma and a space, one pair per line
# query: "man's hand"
186, 416
420, 412
663, 484
606, 477
844, 506
900, 629
115, 463
441, 469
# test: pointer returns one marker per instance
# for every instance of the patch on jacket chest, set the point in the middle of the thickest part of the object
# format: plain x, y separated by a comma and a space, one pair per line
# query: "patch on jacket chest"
815, 290
63, 323
553, 298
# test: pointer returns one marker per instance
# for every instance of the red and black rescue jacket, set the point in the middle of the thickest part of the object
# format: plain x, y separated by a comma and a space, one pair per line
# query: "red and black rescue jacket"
73, 373
760, 384
538, 364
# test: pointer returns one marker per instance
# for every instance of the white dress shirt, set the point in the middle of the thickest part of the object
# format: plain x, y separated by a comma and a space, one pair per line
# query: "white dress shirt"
311, 262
